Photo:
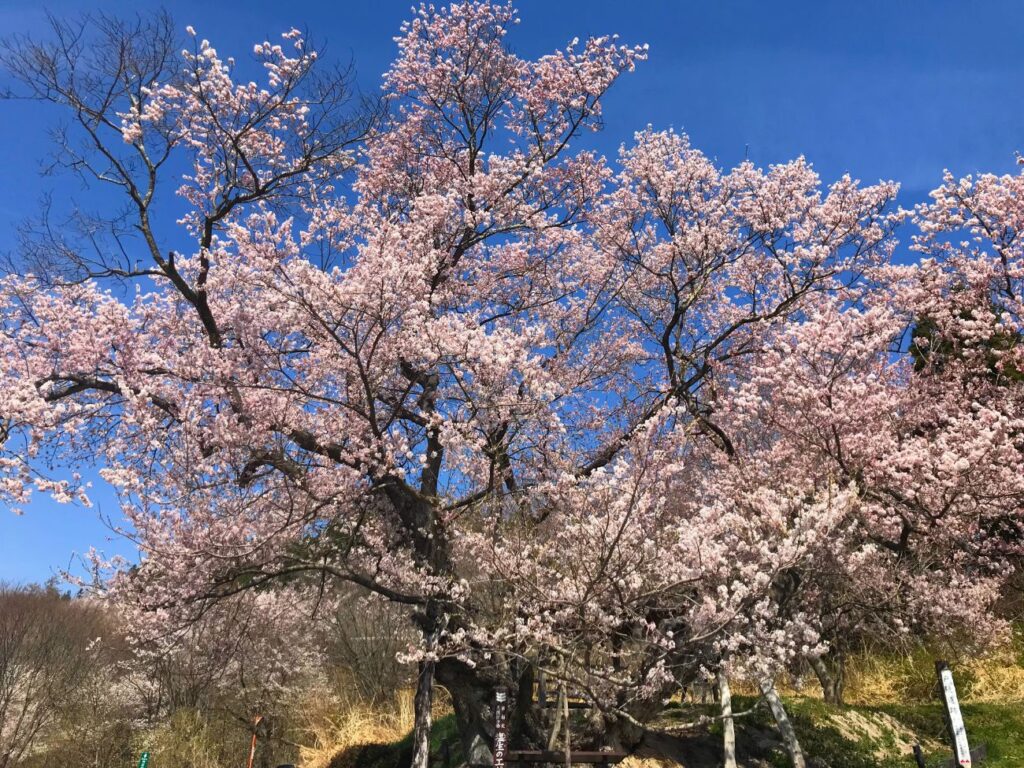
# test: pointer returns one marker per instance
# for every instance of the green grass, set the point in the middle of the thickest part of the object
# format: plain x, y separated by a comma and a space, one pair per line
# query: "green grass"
817, 736
999, 726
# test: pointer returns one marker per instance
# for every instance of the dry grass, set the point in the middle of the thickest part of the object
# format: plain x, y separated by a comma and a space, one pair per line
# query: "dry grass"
998, 679
878, 679
884, 731
874, 680
633, 761
190, 737
336, 727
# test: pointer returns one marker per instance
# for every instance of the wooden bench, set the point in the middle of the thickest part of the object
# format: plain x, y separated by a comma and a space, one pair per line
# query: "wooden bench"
524, 756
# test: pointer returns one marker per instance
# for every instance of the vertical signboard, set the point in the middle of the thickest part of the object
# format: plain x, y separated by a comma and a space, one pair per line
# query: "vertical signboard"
500, 727
955, 721
144, 760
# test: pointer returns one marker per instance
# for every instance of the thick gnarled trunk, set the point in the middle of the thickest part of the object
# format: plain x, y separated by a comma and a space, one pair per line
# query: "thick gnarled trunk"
832, 677
473, 702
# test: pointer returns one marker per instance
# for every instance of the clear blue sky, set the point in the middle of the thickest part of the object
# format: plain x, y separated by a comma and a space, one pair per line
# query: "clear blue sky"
895, 89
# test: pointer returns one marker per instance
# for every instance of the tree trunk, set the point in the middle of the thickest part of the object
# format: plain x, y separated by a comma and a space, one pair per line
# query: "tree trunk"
628, 734
728, 727
473, 702
796, 755
832, 682
423, 706
526, 724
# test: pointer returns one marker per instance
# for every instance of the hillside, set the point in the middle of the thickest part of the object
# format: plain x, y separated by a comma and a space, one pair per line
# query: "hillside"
854, 737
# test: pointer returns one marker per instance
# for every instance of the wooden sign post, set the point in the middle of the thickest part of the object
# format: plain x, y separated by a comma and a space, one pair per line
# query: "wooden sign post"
500, 727
955, 721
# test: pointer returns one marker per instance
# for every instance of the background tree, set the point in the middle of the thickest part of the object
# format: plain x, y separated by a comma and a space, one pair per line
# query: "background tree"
48, 651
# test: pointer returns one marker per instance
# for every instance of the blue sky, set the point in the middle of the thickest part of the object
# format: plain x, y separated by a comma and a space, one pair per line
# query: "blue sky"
896, 90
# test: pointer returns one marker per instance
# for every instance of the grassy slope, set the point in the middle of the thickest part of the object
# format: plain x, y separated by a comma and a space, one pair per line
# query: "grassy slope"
1001, 728
399, 754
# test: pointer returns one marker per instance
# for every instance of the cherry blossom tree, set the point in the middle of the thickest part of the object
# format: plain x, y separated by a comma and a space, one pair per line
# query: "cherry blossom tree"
627, 421
931, 438
915, 556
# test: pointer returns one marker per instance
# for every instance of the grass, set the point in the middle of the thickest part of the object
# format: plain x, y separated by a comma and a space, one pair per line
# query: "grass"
999, 726
444, 731
894, 705
398, 754
865, 736
817, 735
350, 734
337, 729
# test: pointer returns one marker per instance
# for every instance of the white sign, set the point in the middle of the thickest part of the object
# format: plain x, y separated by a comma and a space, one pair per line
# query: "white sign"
500, 728
956, 720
